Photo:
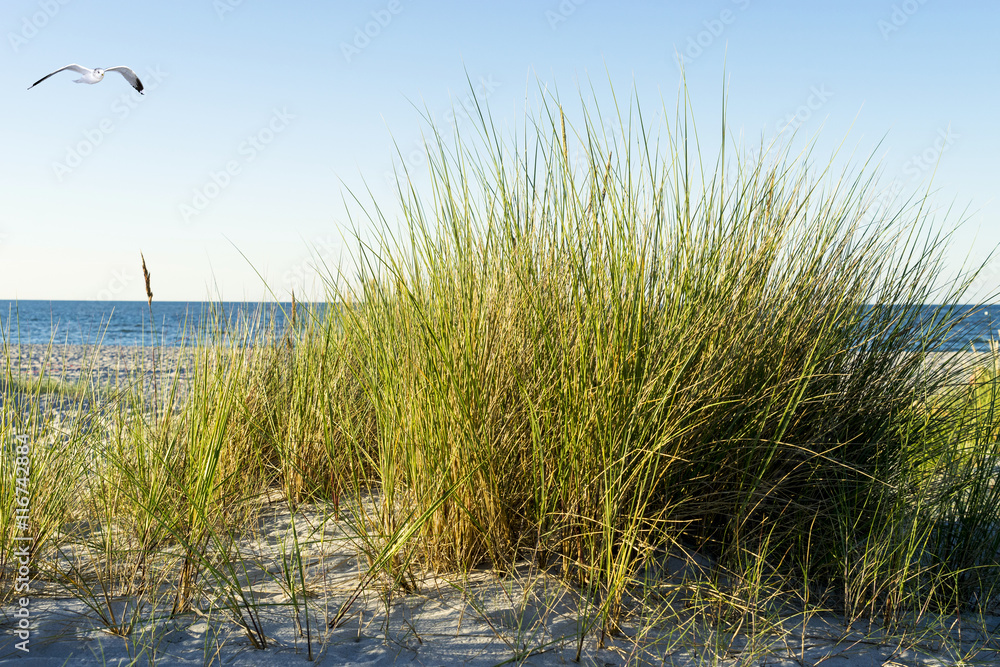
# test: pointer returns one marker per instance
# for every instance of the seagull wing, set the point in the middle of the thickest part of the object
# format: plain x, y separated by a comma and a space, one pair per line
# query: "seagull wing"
129, 75
79, 69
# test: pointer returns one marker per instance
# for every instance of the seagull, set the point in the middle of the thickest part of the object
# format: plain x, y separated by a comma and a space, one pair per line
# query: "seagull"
96, 75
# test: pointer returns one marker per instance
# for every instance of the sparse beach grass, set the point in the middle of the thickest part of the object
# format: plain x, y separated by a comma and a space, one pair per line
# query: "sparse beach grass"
635, 405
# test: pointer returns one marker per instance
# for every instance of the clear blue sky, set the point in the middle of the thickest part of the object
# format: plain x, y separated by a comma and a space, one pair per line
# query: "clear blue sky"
92, 175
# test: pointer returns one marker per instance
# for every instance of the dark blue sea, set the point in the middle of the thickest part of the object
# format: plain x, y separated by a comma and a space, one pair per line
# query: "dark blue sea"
128, 322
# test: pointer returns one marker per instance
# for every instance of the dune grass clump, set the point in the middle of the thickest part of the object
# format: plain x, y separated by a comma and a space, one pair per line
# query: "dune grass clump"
696, 391
589, 362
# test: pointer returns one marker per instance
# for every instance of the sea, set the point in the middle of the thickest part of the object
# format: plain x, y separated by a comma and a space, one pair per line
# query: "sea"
137, 323
172, 323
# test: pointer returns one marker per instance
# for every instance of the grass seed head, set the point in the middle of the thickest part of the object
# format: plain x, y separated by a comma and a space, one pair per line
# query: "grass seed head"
145, 275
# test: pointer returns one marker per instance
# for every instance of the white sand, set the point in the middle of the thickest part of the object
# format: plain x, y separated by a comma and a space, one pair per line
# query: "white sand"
99, 363
525, 617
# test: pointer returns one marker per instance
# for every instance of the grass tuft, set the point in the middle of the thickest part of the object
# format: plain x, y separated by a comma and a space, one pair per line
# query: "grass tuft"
699, 392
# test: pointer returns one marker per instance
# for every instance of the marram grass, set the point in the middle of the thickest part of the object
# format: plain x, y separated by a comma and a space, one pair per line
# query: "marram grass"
628, 354
583, 352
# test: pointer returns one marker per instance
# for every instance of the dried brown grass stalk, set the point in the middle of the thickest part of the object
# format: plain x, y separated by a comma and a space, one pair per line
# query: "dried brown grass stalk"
149, 301
145, 275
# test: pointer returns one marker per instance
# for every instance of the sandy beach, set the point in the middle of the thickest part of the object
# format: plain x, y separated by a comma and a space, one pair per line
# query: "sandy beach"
105, 362
520, 616
101, 363
544, 333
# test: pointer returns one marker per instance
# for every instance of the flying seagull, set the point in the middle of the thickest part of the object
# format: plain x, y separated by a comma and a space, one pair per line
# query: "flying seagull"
95, 75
